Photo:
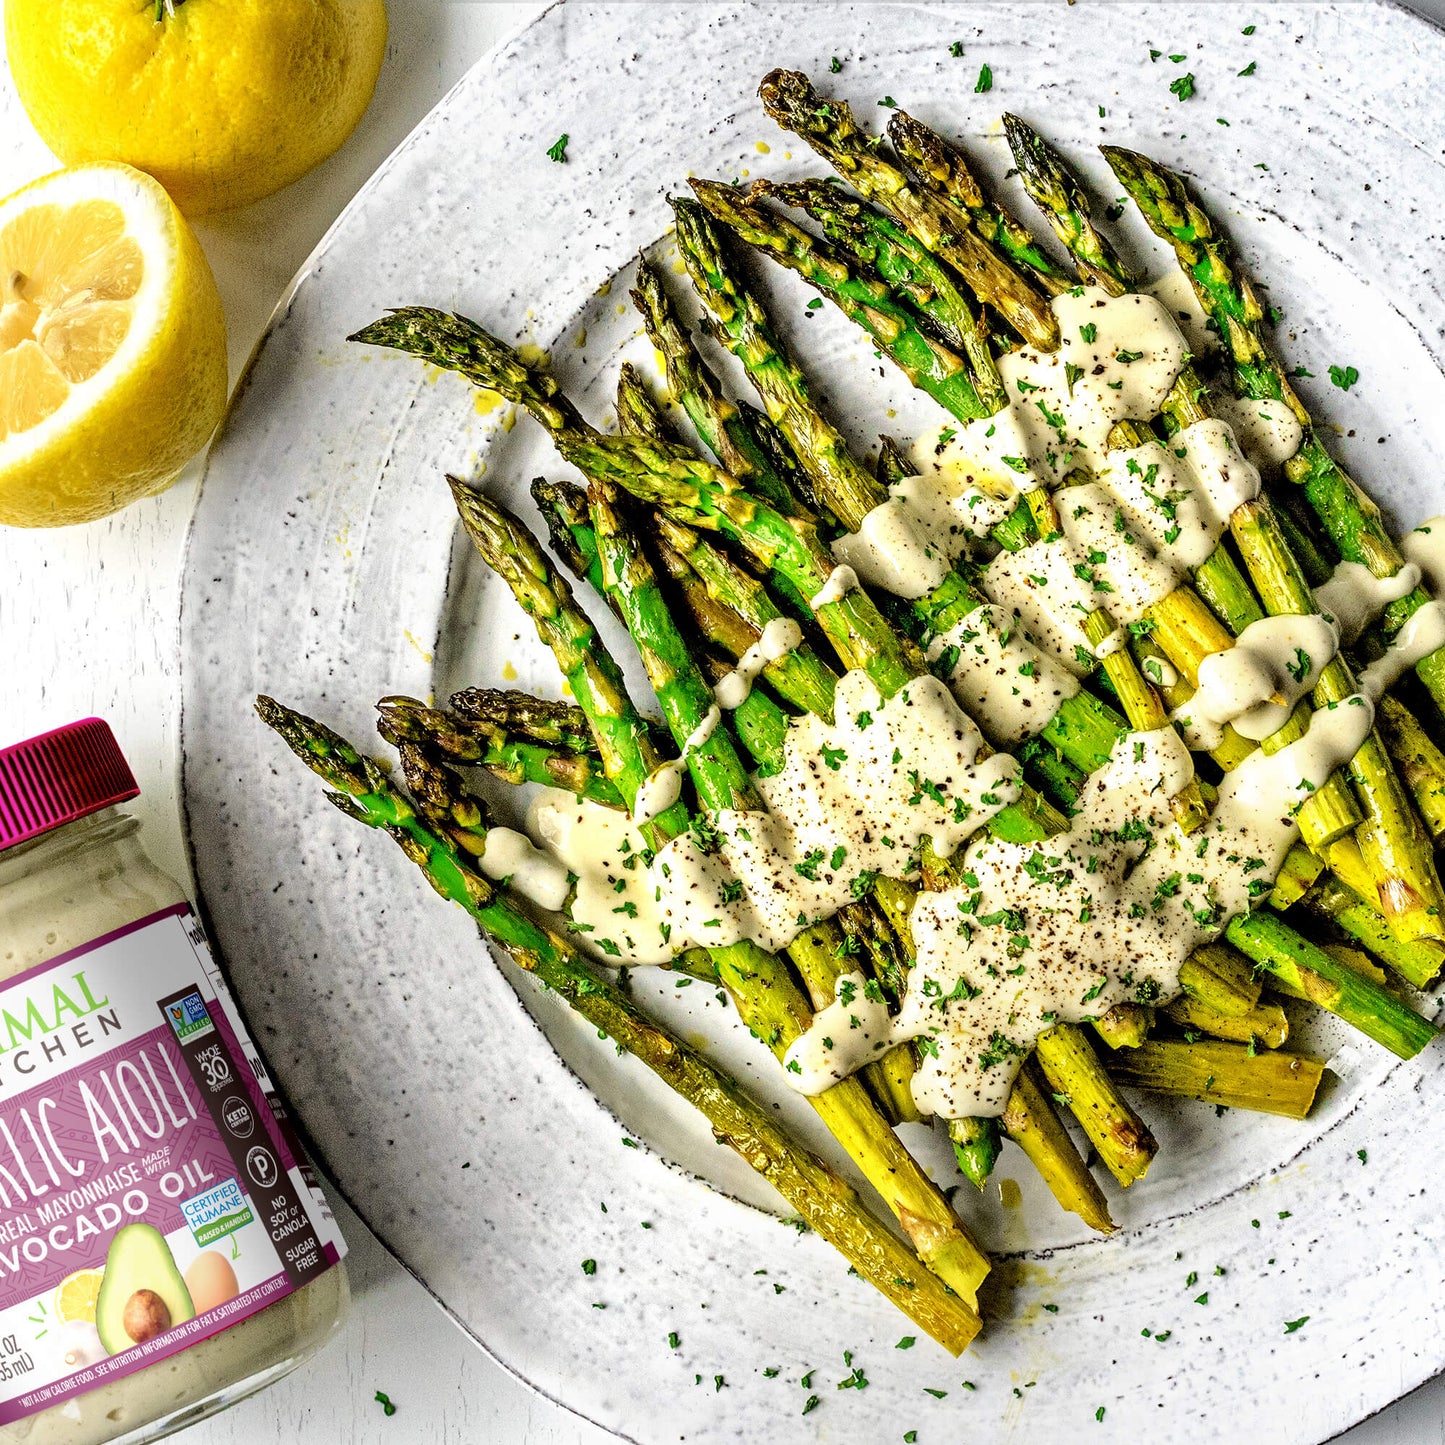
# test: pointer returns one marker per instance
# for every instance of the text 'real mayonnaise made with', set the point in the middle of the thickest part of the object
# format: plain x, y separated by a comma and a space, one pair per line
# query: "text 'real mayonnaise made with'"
164, 1246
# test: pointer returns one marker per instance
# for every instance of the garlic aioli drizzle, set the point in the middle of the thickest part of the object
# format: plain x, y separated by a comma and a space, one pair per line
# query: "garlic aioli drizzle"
1425, 547
1062, 930
535, 874
1255, 684
661, 789
854, 797
1268, 431
1421, 635
841, 581
615, 910
1354, 596
778, 639
1010, 687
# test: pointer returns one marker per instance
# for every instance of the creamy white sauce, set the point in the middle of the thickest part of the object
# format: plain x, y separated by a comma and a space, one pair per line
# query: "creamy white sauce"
1175, 292
1181, 496
1116, 641
854, 797
1038, 586
535, 874
1005, 683
777, 640
851, 1031
896, 549
1065, 929
1425, 547
1269, 431
1118, 357
1116, 569
1160, 672
615, 912
661, 789
1355, 597
1255, 684
906, 544
841, 581
1421, 635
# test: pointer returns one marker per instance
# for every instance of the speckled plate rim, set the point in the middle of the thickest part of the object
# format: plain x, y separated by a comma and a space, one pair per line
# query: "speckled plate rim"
1421, 1366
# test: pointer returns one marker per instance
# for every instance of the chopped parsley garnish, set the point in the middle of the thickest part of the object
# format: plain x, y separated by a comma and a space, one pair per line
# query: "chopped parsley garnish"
589, 1266
888, 103
984, 83
833, 757
1184, 86
557, 151
1299, 669
1290, 1326
387, 1408
674, 1341
835, 65
1248, 69
956, 50
1344, 377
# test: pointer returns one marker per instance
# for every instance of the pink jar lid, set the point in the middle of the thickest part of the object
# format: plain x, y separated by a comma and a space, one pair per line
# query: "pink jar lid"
60, 776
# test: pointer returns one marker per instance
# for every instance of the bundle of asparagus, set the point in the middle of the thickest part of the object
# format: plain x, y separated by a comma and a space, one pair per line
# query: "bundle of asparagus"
731, 564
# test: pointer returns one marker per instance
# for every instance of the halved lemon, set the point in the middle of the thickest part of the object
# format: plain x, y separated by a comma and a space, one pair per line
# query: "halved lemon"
112, 345
76, 1294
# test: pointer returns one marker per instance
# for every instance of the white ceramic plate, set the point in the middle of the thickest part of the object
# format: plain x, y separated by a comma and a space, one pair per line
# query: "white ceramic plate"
326, 567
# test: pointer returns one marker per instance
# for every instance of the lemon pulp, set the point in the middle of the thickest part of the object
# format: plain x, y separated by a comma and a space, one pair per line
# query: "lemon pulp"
69, 276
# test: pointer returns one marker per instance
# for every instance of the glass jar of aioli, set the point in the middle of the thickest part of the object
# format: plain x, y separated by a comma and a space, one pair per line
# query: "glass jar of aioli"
164, 1247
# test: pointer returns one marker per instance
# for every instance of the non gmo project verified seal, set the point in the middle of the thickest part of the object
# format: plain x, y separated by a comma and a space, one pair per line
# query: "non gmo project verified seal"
216, 1213
188, 1016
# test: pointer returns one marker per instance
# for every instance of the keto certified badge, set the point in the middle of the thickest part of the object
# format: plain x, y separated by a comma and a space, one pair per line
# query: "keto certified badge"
236, 1115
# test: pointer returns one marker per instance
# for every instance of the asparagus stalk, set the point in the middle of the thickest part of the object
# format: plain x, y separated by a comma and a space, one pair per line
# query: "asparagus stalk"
1126, 1025
943, 169
1266, 1024
732, 433
1032, 1122
1350, 518
944, 228
1225, 1073
1309, 971
1332, 899
976, 1145
1054, 188
1421, 764
821, 1197
519, 714
1120, 1137
462, 740
880, 244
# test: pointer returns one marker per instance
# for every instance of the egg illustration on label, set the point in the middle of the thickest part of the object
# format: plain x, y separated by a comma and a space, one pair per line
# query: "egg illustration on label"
211, 1281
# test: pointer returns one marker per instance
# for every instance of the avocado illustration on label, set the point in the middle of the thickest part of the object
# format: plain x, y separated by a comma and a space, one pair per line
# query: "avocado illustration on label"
142, 1294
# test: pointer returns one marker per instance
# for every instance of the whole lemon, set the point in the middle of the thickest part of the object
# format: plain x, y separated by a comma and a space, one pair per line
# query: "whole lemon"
222, 101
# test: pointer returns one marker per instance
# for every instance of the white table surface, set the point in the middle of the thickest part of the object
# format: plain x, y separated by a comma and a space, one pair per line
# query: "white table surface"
88, 625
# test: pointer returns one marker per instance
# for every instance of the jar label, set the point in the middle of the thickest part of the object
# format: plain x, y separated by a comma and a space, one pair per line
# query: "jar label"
152, 1190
